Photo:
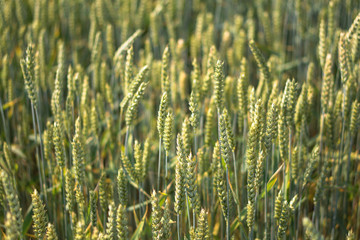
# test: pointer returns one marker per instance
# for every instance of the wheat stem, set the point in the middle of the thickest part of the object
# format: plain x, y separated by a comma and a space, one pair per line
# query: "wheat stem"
63, 200
37, 156
166, 170
41, 151
159, 165
178, 225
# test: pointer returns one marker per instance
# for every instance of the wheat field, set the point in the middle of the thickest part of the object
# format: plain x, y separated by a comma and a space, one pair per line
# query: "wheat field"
179, 119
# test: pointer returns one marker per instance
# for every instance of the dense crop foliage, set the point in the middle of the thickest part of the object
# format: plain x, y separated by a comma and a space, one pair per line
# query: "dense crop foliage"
224, 119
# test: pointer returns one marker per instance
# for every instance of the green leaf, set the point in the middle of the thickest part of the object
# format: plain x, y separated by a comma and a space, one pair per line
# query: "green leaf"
139, 229
272, 180
271, 183
27, 220
137, 206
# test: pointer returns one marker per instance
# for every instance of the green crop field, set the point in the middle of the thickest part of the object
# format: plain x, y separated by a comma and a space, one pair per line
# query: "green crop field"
180, 119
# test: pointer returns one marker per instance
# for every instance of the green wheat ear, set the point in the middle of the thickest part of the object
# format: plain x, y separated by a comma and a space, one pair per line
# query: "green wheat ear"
80, 201
28, 70
168, 131
202, 231
224, 143
121, 223
355, 118
344, 64
350, 235
131, 111
110, 40
138, 161
271, 126
122, 187
155, 216
129, 68
102, 193
322, 48
186, 135
206, 85
314, 159
220, 186
242, 88
191, 187
278, 205
128, 166
39, 215
8, 158
283, 220
93, 207
162, 114
165, 221
145, 158
51, 232
165, 83
58, 145
111, 223
79, 231
219, 84
194, 109
134, 86
327, 86
78, 154
180, 176
302, 109
229, 131
12, 200
310, 231
209, 125
70, 190
260, 60
11, 227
